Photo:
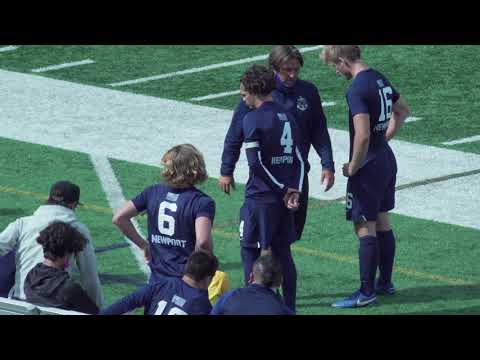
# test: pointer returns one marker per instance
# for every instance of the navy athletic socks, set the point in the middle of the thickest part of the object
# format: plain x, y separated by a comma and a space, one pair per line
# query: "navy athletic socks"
386, 246
368, 259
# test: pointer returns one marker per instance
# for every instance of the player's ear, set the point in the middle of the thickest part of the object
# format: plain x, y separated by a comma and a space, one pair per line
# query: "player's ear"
250, 279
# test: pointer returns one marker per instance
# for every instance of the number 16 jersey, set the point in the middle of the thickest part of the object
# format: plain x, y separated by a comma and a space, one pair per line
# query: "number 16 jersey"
171, 225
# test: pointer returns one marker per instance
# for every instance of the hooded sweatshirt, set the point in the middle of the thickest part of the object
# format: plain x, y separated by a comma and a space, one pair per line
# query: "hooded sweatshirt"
22, 235
49, 286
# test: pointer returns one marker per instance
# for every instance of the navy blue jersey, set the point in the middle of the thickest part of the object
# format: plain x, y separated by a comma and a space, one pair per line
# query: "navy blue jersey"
168, 296
251, 300
171, 224
304, 103
273, 153
371, 93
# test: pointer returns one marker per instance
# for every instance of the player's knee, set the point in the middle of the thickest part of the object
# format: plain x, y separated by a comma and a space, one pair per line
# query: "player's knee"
383, 222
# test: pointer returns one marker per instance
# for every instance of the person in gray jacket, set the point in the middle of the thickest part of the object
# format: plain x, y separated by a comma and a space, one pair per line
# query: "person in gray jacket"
21, 236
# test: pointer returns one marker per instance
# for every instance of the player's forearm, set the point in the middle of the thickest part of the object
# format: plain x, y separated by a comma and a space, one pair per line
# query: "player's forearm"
127, 229
400, 112
396, 122
360, 149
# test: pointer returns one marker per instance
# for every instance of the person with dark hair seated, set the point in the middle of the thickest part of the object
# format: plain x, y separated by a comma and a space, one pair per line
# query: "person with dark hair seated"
48, 283
187, 295
260, 297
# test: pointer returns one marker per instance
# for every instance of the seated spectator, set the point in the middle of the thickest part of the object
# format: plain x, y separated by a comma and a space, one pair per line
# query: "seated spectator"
21, 236
7, 273
48, 284
187, 295
260, 297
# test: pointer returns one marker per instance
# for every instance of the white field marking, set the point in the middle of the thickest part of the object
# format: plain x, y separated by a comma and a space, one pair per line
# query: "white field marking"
328, 103
216, 96
62, 66
204, 68
8, 48
412, 119
463, 141
237, 92
116, 199
139, 129
450, 201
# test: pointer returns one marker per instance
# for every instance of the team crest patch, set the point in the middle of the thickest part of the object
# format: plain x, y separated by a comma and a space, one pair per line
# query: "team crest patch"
302, 103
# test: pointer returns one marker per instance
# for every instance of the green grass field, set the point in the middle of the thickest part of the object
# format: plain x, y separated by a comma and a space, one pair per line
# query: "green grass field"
437, 269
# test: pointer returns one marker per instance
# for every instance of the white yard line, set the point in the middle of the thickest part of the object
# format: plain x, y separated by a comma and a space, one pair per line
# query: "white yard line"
205, 68
216, 96
116, 199
63, 66
412, 119
328, 103
463, 141
8, 48
237, 92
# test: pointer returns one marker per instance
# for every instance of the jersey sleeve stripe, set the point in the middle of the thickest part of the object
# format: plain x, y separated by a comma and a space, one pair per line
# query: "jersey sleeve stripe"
302, 168
253, 144
281, 186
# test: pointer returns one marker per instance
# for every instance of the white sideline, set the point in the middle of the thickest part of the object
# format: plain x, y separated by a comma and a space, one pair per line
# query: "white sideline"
116, 199
62, 66
204, 68
463, 141
8, 48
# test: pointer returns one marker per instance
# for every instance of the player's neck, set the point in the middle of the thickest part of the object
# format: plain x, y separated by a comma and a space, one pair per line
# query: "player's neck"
57, 264
358, 67
259, 101
195, 284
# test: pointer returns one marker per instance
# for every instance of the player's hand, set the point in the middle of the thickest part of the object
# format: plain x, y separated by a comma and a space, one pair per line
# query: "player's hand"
292, 199
327, 177
225, 183
349, 170
146, 252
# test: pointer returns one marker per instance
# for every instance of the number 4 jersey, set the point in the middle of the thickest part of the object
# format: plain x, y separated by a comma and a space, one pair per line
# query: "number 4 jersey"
171, 225
273, 153
371, 93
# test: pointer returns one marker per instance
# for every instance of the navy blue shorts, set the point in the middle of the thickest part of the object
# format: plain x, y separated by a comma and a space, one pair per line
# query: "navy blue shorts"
372, 189
262, 224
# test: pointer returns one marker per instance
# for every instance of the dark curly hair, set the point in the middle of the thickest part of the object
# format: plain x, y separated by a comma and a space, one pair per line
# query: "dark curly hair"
259, 80
59, 239
200, 265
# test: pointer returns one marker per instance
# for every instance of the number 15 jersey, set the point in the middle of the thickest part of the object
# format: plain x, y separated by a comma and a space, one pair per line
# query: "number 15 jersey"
171, 224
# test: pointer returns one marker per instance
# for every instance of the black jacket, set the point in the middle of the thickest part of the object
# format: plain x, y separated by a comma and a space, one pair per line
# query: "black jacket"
48, 286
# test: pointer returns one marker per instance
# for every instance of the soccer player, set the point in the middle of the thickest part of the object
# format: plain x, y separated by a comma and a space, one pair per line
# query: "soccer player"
301, 98
376, 113
276, 178
180, 216
172, 295
22, 235
260, 297
48, 283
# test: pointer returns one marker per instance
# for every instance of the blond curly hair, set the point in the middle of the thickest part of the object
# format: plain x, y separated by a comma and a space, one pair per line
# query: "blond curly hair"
183, 167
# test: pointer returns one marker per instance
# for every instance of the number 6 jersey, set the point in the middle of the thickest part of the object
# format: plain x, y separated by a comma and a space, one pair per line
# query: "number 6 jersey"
171, 224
